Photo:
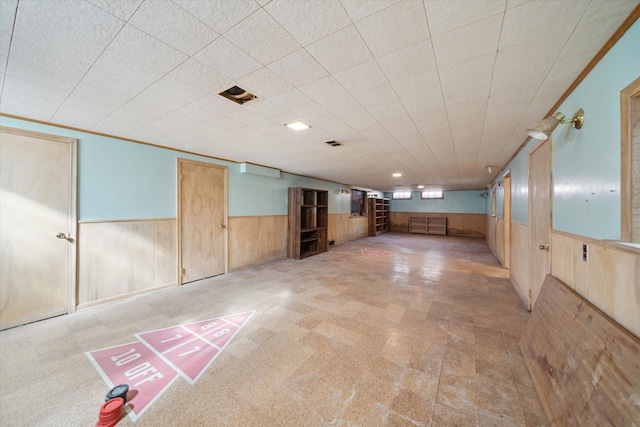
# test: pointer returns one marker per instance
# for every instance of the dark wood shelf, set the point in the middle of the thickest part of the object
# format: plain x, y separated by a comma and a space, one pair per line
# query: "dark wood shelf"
307, 222
378, 216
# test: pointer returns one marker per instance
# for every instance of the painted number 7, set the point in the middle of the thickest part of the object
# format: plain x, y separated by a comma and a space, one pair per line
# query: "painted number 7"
196, 348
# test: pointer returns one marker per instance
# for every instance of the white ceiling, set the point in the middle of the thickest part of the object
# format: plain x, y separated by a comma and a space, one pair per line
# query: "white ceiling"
431, 89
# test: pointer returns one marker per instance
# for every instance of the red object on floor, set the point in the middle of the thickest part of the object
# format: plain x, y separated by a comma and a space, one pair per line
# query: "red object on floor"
111, 412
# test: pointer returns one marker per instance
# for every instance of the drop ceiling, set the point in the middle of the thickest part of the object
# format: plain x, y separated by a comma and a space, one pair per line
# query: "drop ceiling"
434, 90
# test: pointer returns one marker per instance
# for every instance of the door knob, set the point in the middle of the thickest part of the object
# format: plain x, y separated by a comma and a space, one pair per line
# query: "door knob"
544, 247
223, 226
63, 236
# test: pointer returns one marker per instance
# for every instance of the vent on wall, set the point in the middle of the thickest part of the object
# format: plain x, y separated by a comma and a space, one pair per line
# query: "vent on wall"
238, 95
333, 143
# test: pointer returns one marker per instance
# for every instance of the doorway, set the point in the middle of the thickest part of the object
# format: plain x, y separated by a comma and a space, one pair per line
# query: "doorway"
539, 216
37, 226
202, 220
506, 183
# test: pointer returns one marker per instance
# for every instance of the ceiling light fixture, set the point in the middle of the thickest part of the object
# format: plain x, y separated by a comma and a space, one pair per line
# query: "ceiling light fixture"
298, 126
397, 174
488, 168
421, 186
543, 128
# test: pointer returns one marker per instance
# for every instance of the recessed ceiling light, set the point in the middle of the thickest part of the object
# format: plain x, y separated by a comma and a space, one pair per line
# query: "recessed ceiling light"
397, 174
298, 126
420, 186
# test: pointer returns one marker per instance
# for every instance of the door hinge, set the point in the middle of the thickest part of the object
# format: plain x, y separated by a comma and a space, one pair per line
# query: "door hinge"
184, 271
529, 294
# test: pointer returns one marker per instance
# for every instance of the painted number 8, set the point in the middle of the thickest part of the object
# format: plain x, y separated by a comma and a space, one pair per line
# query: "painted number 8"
205, 327
221, 333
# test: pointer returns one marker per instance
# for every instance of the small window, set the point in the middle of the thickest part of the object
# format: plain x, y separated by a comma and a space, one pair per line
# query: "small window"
402, 195
432, 195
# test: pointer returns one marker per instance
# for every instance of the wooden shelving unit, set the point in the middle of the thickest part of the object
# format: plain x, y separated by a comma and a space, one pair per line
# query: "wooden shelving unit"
308, 221
378, 216
428, 225
437, 225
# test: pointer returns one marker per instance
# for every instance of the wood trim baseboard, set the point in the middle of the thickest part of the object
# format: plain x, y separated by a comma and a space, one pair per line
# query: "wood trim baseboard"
122, 297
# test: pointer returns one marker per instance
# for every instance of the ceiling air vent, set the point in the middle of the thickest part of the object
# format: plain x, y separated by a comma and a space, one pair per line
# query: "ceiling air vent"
333, 143
238, 95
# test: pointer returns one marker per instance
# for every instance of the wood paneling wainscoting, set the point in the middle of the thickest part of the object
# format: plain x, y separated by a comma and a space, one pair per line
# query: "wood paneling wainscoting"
458, 224
122, 258
520, 261
256, 240
344, 227
610, 279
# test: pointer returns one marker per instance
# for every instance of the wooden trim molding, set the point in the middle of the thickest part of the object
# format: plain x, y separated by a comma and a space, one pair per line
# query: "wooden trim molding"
102, 221
626, 153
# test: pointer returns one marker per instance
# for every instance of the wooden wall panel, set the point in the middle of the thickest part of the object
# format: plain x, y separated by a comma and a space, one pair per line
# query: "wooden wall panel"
256, 239
584, 366
117, 259
499, 242
610, 280
344, 227
520, 260
490, 236
471, 225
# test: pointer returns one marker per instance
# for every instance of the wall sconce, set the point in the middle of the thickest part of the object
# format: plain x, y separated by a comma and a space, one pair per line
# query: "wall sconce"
543, 128
345, 191
483, 194
488, 168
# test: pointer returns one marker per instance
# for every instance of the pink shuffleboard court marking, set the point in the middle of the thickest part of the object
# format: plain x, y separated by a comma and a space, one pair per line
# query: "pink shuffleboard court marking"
374, 253
205, 326
165, 339
192, 358
239, 319
222, 336
147, 374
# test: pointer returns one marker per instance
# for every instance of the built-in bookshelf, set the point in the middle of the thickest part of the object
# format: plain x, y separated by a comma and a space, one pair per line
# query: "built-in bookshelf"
308, 221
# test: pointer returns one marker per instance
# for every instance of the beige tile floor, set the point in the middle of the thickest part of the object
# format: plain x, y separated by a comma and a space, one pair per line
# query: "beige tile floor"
427, 336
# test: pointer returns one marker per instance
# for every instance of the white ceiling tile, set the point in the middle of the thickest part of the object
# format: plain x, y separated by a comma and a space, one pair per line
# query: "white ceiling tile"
292, 100
138, 72
341, 50
29, 53
310, 20
447, 15
112, 125
35, 88
7, 15
298, 68
41, 76
472, 40
264, 83
122, 9
141, 111
178, 89
24, 104
266, 108
401, 25
171, 24
81, 17
112, 82
599, 11
227, 59
262, 37
408, 62
133, 44
100, 94
519, 27
325, 90
361, 79
202, 77
359, 9
220, 15
379, 95
215, 104
467, 79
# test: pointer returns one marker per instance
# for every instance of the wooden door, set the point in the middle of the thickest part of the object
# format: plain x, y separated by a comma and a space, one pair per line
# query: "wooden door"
539, 216
37, 226
507, 220
202, 220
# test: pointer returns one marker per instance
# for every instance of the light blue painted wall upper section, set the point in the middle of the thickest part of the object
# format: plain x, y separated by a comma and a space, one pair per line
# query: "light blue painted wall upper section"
453, 202
586, 162
122, 180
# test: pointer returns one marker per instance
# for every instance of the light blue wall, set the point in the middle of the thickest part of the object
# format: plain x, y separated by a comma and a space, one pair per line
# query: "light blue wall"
453, 202
123, 180
586, 162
